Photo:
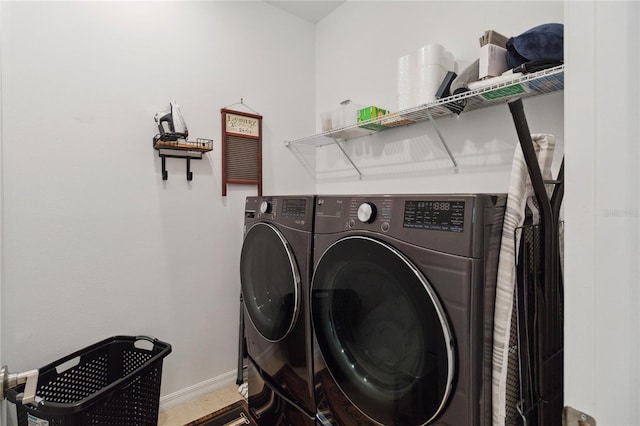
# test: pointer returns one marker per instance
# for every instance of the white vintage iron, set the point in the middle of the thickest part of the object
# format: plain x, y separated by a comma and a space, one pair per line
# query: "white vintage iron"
171, 124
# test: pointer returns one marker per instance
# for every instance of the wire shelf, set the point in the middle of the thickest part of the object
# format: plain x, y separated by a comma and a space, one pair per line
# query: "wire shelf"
503, 90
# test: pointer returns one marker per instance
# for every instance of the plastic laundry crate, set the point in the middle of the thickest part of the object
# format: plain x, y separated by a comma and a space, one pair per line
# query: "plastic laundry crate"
113, 382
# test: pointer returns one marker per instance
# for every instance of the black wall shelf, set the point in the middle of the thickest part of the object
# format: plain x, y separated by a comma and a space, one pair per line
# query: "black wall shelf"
188, 150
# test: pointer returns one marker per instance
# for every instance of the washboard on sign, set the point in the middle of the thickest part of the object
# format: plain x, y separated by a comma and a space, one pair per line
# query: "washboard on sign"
241, 149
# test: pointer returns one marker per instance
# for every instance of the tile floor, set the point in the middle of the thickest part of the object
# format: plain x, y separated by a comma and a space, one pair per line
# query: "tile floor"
199, 407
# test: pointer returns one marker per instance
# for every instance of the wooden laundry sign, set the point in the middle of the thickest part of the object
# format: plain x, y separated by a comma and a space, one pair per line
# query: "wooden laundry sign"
243, 125
241, 149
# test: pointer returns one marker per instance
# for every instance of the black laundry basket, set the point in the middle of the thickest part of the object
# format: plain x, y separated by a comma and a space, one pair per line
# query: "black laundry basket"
113, 382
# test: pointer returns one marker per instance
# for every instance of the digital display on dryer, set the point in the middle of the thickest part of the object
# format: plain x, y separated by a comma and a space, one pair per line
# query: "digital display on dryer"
294, 207
434, 215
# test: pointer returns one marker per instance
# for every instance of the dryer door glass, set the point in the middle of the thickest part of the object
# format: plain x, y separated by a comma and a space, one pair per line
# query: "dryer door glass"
382, 332
270, 281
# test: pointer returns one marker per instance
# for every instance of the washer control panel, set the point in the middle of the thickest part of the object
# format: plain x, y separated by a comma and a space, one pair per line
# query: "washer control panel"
450, 223
374, 211
435, 215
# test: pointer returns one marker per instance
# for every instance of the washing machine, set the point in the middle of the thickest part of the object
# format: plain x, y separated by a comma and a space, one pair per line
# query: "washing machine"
275, 271
402, 308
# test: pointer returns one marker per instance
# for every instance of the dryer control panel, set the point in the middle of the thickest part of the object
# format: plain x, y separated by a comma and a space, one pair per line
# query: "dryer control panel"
293, 211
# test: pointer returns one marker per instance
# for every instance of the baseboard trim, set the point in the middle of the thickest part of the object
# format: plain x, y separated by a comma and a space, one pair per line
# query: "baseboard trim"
192, 392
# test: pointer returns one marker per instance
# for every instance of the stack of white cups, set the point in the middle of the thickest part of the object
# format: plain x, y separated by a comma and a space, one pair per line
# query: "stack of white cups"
406, 82
432, 65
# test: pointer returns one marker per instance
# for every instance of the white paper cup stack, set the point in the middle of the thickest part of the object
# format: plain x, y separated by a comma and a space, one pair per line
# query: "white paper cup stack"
432, 65
406, 82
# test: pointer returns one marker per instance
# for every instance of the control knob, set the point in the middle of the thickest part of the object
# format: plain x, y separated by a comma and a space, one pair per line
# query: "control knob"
367, 212
265, 207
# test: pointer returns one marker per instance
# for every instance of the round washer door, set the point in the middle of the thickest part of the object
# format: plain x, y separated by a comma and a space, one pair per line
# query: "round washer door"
382, 332
270, 281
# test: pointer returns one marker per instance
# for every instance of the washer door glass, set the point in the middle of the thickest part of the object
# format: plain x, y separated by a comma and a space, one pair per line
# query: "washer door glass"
270, 281
382, 332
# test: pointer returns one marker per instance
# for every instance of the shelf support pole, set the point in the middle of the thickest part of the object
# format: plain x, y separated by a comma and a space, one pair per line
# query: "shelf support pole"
444, 143
348, 158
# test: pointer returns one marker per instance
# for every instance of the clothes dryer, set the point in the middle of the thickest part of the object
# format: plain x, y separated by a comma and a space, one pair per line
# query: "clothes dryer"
275, 270
402, 308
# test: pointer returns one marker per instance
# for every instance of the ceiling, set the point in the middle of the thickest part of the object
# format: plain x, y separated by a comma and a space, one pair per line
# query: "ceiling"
309, 10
